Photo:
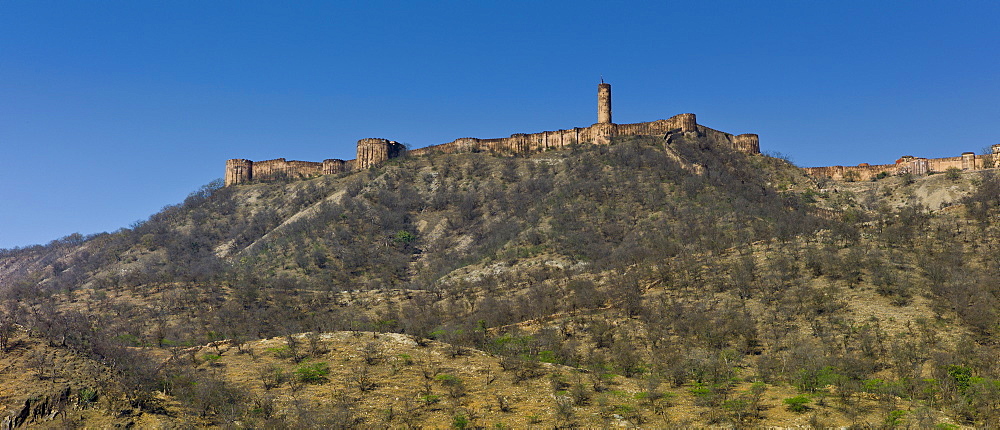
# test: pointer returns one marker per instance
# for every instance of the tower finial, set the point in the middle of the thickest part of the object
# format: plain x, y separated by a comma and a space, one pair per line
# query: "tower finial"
602, 78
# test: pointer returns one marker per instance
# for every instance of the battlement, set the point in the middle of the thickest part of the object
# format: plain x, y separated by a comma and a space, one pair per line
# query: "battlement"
375, 151
968, 161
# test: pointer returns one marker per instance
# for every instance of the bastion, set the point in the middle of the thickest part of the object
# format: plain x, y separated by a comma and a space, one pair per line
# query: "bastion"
372, 152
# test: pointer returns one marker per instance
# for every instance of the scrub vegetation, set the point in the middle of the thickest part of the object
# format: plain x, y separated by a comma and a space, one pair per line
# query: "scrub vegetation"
642, 283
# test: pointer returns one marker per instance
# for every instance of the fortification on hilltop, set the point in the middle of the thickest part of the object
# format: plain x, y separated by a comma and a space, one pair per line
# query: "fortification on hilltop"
374, 151
909, 164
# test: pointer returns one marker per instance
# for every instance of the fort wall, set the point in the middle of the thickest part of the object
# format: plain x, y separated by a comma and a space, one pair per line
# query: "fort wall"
906, 164
333, 166
238, 171
280, 168
599, 133
375, 151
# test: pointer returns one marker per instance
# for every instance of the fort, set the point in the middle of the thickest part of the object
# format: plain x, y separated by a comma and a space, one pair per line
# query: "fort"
908, 164
374, 151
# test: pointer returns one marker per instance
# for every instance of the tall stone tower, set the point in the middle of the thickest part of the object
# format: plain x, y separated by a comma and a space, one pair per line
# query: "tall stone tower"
603, 103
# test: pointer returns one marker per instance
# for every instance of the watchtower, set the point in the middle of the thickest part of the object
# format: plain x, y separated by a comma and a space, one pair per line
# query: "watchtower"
603, 103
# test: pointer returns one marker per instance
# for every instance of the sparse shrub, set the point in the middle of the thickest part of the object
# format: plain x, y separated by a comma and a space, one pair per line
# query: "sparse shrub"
814, 379
312, 373
630, 413
280, 351
503, 403
460, 421
372, 353
361, 377
212, 359
894, 419
316, 347
564, 408
953, 173
578, 392
86, 397
797, 404
454, 385
273, 376
521, 368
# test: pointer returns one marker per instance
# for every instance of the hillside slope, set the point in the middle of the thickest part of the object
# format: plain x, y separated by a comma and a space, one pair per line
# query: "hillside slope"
660, 283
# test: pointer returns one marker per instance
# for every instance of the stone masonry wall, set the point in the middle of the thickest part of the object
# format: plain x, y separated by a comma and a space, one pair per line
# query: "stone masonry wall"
375, 151
597, 133
280, 168
238, 171
906, 164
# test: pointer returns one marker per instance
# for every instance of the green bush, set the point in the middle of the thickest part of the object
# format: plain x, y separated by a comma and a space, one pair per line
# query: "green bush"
894, 418
312, 373
798, 403
962, 376
460, 421
282, 351
86, 397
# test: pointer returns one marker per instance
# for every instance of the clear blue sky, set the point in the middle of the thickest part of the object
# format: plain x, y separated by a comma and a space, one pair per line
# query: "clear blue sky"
110, 110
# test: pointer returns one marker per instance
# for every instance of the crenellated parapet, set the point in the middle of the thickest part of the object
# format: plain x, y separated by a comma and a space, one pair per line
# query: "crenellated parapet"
372, 152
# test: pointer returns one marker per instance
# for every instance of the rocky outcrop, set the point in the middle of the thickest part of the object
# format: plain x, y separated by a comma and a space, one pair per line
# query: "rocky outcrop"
38, 408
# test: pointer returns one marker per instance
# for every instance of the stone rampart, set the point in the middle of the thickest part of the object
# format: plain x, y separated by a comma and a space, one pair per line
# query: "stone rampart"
598, 133
280, 168
906, 164
749, 143
374, 151
333, 166
238, 171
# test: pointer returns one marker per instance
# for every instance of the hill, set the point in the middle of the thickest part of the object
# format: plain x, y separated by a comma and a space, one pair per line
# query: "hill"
644, 282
